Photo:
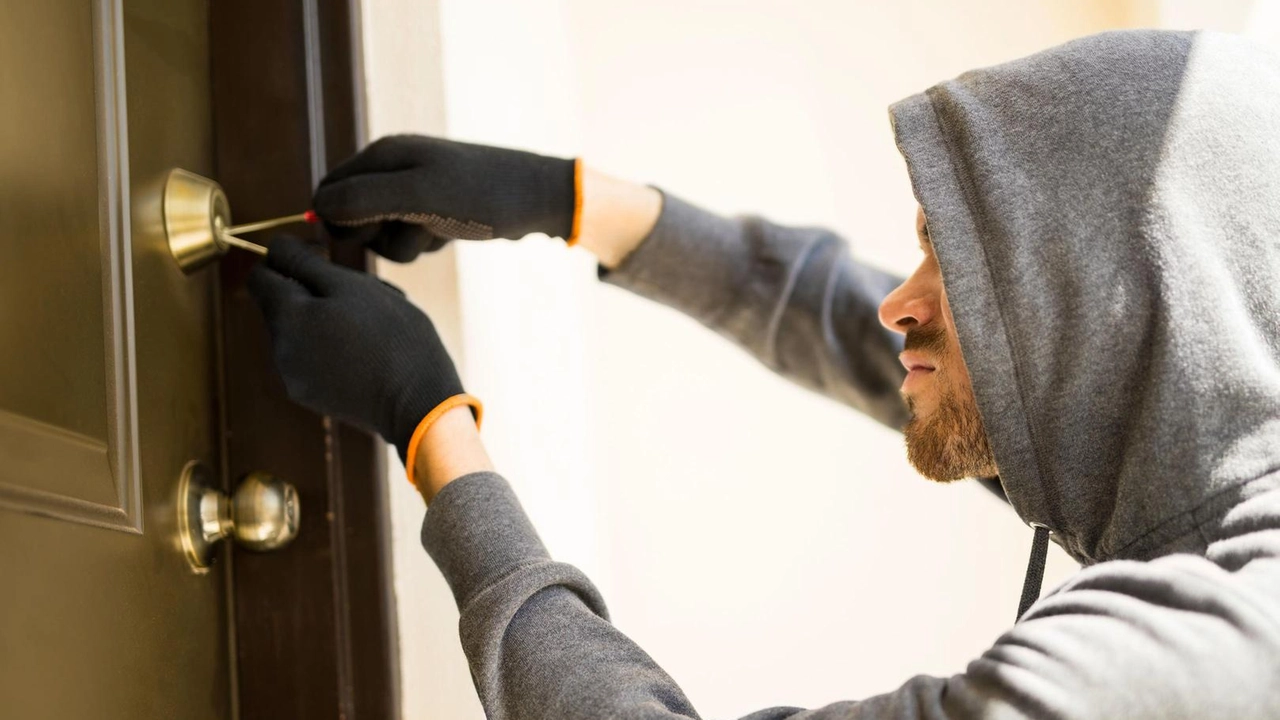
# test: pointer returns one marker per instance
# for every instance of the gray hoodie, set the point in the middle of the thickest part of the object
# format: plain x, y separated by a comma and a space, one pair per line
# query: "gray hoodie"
1107, 218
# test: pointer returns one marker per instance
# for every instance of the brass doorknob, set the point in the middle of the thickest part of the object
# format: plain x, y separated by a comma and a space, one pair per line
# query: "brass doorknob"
262, 515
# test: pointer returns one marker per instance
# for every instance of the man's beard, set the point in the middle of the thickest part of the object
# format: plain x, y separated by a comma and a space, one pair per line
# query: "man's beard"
951, 443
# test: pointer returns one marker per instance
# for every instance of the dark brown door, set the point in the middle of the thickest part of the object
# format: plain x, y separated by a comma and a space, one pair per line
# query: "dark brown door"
108, 365
116, 370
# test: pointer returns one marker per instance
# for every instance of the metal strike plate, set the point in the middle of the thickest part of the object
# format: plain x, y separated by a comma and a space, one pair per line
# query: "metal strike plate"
262, 515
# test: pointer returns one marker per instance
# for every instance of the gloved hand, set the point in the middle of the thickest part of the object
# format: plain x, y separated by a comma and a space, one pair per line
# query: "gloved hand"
351, 346
407, 194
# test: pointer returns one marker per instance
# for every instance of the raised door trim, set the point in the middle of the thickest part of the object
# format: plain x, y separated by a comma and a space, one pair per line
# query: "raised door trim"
114, 463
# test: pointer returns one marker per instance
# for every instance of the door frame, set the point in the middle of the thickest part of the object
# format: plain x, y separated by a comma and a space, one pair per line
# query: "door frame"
314, 625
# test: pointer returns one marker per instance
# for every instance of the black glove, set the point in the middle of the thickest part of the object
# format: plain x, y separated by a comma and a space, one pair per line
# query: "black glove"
407, 194
351, 346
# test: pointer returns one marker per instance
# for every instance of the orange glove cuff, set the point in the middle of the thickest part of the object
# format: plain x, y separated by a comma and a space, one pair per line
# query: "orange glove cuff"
577, 203
477, 409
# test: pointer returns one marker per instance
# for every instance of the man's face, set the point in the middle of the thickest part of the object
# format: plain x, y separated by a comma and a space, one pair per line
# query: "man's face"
945, 437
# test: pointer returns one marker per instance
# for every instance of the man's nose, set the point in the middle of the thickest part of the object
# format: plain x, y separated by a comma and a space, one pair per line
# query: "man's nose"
904, 309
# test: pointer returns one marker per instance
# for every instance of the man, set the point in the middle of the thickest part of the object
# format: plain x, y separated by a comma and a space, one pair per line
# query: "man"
1095, 319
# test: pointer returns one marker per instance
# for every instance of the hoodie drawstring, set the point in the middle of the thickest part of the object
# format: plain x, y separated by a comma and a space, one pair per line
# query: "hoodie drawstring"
1035, 569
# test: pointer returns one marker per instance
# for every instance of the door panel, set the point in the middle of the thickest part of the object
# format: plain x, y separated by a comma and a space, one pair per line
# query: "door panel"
49, 154
66, 423
108, 365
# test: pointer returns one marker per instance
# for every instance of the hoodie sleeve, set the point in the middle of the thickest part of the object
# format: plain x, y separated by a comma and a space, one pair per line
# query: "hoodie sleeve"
1175, 637
792, 297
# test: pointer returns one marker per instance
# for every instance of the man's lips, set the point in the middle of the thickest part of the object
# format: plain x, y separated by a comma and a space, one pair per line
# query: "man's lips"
917, 368
914, 361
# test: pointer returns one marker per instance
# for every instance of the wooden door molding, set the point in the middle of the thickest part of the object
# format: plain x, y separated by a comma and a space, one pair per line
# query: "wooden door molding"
315, 632
51, 470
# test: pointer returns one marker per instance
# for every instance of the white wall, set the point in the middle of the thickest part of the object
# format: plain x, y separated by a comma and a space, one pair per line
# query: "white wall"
1256, 18
404, 93
765, 545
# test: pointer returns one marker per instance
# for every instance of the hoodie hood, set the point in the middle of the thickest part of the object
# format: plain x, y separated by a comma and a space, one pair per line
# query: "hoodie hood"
1106, 215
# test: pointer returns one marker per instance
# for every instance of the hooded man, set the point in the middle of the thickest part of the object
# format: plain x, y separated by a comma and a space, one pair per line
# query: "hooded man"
1096, 320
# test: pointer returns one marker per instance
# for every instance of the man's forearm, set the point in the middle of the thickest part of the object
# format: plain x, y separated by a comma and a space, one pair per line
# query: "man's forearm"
450, 448
616, 216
